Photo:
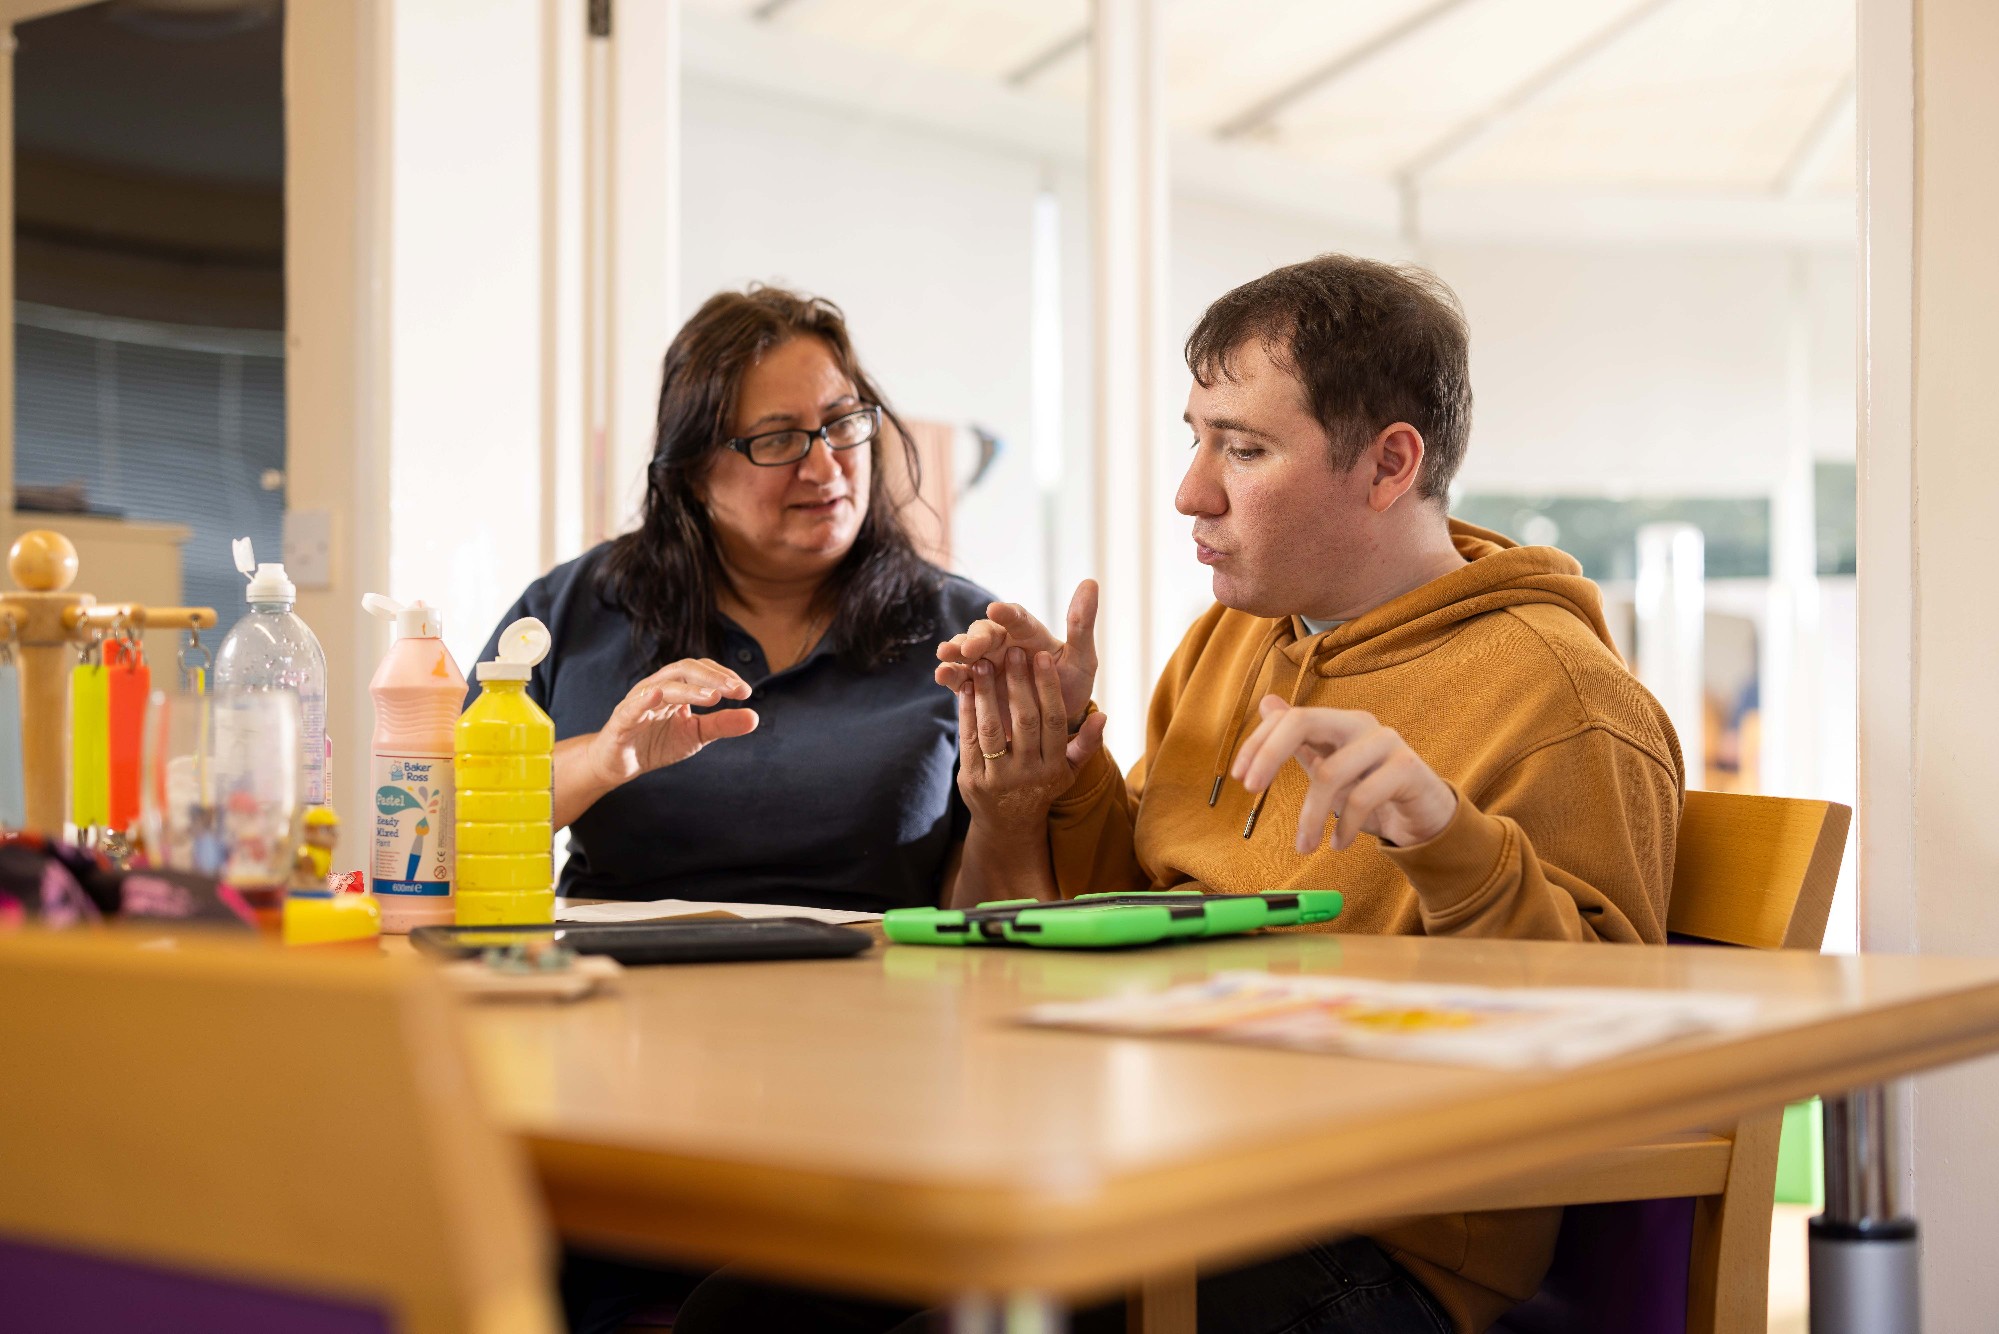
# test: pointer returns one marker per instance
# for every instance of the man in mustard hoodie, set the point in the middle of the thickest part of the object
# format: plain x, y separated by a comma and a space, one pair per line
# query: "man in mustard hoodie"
1473, 758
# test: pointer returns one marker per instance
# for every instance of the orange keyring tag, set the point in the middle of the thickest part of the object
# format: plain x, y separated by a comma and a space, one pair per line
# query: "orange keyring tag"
130, 683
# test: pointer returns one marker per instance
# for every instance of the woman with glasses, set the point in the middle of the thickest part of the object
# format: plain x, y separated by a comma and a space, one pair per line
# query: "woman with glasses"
741, 688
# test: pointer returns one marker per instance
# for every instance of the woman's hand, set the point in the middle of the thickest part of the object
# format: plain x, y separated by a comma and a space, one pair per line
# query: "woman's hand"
1008, 626
1015, 755
655, 724
1362, 774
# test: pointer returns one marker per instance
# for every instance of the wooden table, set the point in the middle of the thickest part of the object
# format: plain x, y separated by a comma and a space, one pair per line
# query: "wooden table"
879, 1124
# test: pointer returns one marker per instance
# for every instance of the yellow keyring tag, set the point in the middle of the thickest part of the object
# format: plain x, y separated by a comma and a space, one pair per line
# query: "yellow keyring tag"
90, 743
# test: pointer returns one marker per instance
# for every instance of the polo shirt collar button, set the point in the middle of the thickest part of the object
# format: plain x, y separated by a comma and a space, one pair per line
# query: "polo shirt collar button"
744, 655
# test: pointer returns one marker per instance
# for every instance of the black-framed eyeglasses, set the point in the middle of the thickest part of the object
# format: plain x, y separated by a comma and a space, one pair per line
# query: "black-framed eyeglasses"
774, 449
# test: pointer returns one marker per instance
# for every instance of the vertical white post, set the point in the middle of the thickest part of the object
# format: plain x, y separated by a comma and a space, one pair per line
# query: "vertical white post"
1886, 650
1128, 253
1672, 610
631, 242
1928, 715
1047, 353
565, 44
338, 191
7, 46
597, 287
1790, 657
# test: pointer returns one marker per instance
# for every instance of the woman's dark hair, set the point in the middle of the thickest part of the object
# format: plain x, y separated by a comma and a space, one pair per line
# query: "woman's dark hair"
666, 574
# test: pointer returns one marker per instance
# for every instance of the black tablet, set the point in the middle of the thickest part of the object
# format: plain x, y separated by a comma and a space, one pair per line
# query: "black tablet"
709, 940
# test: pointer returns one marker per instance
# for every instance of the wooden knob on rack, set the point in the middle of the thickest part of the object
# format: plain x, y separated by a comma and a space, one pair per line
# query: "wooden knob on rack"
42, 561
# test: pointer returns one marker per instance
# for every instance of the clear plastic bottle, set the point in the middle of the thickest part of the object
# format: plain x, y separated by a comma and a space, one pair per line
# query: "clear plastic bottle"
272, 649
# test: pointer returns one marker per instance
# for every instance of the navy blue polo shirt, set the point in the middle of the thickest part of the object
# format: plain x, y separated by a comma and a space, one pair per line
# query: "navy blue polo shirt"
844, 797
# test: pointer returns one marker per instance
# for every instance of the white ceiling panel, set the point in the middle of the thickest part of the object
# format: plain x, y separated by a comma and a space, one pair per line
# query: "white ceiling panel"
993, 38
1391, 111
1734, 98
1708, 94
1224, 57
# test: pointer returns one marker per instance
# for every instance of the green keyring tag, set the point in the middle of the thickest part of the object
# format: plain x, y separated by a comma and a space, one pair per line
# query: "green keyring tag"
13, 784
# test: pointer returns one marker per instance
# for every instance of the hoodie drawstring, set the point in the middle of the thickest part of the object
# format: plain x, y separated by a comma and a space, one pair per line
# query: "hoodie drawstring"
1234, 734
1305, 669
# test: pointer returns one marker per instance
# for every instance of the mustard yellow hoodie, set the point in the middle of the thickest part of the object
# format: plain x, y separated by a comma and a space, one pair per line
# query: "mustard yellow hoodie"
1503, 677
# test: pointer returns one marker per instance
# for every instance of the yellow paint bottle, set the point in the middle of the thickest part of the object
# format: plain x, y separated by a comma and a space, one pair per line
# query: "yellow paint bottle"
504, 767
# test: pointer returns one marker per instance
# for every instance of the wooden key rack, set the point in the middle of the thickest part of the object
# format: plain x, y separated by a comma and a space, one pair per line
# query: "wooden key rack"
47, 624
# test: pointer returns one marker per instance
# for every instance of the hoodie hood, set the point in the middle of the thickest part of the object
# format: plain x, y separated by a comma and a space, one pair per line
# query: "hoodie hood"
1499, 573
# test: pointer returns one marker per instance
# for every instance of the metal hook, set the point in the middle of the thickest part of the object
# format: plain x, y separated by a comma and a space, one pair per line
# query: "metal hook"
127, 634
195, 661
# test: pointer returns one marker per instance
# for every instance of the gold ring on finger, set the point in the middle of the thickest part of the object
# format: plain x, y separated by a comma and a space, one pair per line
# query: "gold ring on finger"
994, 755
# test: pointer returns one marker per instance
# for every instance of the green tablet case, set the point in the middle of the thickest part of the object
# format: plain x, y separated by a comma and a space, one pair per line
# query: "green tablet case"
1107, 921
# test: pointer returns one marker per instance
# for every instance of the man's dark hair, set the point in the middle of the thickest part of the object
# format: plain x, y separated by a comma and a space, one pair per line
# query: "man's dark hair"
1372, 344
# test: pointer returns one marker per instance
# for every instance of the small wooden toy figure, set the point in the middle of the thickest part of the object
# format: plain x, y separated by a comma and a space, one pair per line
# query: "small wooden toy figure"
314, 862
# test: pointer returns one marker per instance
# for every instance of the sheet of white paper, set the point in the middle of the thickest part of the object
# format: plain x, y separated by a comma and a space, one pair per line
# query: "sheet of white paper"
659, 910
1508, 1028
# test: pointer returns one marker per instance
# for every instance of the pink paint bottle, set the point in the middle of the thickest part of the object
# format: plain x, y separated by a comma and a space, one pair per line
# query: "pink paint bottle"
418, 692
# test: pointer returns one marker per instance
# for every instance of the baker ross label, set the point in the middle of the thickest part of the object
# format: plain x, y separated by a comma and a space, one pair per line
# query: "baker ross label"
413, 824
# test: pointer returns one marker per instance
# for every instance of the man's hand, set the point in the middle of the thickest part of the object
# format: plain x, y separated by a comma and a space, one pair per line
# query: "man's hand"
1362, 774
1006, 626
1015, 755
655, 724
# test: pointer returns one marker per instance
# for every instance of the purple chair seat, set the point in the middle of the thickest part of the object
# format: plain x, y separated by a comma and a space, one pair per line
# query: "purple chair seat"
1620, 1266
60, 1291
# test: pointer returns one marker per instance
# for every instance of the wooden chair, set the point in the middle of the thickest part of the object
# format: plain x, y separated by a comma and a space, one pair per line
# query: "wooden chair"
1756, 872
224, 1136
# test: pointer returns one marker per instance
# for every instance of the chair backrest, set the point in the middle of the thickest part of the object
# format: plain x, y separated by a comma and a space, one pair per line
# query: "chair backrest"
1756, 871
1751, 871
218, 1124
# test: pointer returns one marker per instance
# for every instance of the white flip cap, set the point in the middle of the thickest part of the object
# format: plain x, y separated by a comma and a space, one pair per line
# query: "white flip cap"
268, 583
416, 621
522, 645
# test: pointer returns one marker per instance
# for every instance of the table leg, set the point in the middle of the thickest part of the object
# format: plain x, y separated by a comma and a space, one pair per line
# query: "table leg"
1166, 1303
1864, 1277
1022, 1313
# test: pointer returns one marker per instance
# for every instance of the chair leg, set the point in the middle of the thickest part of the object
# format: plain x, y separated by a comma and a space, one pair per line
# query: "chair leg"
1728, 1280
1162, 1304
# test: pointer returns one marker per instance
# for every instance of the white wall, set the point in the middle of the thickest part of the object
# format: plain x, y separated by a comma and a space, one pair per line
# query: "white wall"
464, 309
1641, 370
924, 243
1612, 369
1609, 369
1618, 368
